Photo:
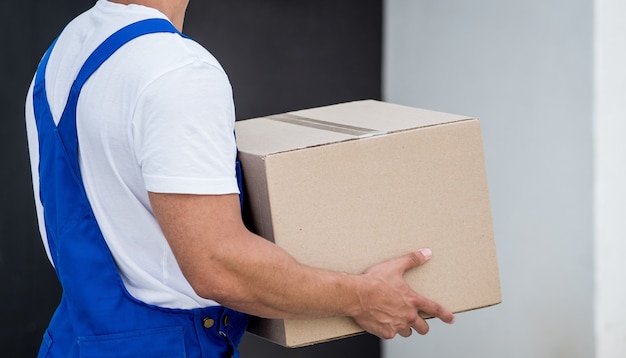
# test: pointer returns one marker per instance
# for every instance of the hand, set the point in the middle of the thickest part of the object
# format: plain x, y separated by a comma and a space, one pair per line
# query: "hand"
225, 262
389, 306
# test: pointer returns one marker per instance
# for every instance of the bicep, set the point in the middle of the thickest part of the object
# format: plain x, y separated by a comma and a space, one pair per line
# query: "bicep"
198, 228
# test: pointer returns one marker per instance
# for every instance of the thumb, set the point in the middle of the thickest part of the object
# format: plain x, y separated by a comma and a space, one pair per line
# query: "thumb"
415, 259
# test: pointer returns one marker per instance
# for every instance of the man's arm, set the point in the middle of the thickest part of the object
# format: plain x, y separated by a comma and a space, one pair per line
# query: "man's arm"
225, 262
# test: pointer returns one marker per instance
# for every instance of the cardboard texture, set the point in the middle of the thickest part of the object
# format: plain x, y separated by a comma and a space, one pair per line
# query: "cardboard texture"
346, 186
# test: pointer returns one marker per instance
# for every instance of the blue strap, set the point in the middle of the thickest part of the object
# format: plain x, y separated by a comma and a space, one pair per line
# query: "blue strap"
95, 301
67, 124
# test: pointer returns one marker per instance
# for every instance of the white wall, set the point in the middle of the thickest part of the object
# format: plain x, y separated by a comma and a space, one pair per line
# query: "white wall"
610, 177
526, 69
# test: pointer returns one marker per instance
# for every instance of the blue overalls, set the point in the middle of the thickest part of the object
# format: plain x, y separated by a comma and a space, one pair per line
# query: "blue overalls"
97, 317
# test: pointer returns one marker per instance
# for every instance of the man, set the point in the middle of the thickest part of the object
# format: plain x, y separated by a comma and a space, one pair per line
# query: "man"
130, 129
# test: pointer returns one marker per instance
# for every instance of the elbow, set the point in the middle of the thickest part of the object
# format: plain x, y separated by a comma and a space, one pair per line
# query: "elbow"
225, 291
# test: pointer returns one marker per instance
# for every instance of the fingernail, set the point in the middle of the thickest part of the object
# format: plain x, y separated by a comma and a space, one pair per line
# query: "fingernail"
427, 253
453, 320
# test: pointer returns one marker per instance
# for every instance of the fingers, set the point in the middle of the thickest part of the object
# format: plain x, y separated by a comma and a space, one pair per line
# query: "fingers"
421, 326
435, 310
399, 309
413, 259
423, 304
406, 333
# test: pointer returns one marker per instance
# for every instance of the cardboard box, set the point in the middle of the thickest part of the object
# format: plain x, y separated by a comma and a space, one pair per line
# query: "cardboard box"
346, 186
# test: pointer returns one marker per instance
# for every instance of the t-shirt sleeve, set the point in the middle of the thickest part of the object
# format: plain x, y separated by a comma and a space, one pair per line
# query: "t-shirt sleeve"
183, 132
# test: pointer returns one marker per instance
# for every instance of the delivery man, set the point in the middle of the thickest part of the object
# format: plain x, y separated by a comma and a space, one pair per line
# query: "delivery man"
130, 127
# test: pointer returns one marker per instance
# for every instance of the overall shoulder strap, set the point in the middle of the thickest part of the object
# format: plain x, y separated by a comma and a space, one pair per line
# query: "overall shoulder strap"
67, 123
51, 149
114, 42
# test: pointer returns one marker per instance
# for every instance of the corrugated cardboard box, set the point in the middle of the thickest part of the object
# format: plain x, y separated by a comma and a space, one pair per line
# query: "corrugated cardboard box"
346, 186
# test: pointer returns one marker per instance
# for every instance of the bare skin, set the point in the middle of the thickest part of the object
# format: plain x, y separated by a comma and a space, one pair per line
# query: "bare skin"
225, 262
173, 9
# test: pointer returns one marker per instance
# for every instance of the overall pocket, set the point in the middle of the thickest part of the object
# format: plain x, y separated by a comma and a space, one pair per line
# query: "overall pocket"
158, 343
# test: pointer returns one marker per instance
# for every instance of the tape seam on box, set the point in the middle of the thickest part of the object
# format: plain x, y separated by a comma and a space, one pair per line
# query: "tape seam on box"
325, 125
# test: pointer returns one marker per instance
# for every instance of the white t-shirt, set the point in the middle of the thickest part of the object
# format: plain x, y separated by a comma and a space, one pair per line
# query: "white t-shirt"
157, 116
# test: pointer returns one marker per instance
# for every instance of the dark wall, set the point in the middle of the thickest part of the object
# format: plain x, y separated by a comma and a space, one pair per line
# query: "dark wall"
280, 55
30, 290
292, 54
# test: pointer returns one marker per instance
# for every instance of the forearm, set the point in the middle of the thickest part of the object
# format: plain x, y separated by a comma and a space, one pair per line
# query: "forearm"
225, 262
255, 276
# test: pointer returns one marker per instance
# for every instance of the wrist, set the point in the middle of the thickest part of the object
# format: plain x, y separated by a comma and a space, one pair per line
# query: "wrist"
356, 287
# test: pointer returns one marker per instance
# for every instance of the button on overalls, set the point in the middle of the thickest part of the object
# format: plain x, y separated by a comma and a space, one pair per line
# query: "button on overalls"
97, 317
